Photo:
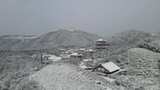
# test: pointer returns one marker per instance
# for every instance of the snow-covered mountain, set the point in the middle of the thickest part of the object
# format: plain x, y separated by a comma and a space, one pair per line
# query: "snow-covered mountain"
60, 38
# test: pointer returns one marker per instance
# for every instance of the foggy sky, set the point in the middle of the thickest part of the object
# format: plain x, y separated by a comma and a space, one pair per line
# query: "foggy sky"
103, 17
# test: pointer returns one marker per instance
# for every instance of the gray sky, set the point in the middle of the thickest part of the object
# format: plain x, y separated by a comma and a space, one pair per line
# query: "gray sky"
98, 16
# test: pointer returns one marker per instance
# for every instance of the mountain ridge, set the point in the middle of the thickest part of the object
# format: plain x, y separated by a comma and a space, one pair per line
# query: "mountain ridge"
59, 38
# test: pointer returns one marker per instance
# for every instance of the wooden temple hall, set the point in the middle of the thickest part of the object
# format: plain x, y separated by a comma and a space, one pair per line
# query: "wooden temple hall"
101, 44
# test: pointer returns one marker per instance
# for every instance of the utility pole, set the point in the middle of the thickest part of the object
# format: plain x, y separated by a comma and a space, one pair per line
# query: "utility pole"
41, 55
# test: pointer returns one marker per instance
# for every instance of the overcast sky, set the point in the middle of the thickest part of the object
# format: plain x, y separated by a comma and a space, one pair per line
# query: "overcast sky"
98, 16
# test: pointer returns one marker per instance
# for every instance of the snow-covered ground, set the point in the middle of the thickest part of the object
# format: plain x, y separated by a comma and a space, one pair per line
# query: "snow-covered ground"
68, 77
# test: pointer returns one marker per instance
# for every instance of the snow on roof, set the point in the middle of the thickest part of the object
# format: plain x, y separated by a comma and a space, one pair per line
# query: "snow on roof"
110, 66
83, 49
87, 60
53, 56
90, 50
74, 54
100, 39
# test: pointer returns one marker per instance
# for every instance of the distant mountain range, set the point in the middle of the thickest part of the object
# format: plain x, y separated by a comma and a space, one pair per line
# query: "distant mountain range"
59, 38
71, 38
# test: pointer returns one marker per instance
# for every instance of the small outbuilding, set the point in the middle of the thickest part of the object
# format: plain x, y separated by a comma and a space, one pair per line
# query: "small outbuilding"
76, 58
107, 68
89, 53
52, 57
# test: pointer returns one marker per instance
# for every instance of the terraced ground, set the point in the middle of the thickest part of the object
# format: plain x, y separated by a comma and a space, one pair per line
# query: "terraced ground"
143, 72
69, 77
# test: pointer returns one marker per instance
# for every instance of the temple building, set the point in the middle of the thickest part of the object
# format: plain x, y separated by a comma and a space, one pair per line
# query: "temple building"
101, 44
76, 58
